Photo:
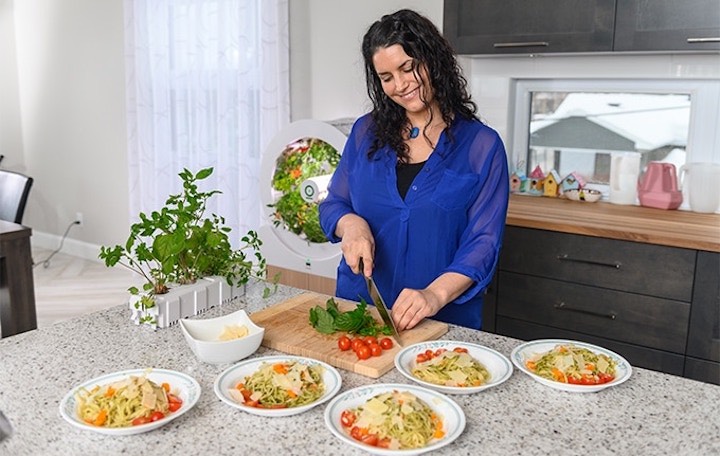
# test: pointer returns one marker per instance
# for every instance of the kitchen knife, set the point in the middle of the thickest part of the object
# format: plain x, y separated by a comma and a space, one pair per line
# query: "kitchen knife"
380, 305
6, 429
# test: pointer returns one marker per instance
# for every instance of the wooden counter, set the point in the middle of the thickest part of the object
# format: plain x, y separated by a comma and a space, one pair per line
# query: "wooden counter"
672, 228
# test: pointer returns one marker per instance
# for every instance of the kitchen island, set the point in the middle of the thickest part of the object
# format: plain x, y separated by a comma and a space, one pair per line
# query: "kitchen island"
651, 413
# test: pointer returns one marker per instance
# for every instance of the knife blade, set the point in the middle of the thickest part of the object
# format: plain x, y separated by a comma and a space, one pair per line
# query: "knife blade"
380, 305
6, 429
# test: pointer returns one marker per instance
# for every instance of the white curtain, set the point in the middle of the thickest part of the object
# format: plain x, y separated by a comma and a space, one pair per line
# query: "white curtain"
207, 85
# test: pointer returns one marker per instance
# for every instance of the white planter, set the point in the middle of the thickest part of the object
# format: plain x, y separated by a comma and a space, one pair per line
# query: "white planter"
220, 292
184, 301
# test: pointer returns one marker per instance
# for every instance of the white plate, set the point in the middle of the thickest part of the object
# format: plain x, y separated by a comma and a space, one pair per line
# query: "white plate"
523, 352
498, 365
451, 413
188, 390
237, 373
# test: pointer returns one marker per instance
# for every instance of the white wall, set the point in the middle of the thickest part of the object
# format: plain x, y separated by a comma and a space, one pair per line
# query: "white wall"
328, 80
10, 132
71, 116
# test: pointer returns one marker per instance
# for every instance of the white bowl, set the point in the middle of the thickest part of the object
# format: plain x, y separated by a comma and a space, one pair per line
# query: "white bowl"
203, 338
525, 351
231, 376
498, 366
587, 195
184, 386
452, 415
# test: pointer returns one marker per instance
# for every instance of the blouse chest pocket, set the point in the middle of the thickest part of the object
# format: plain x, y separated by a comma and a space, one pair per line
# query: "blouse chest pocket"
455, 191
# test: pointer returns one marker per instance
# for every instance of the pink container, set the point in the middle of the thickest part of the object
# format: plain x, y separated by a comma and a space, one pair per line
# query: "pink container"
658, 187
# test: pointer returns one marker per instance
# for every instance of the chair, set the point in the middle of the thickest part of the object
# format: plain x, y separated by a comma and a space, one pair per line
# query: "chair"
14, 191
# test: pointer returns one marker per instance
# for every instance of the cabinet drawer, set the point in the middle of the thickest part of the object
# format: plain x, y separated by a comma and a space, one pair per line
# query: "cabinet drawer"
647, 358
665, 272
704, 337
705, 371
625, 317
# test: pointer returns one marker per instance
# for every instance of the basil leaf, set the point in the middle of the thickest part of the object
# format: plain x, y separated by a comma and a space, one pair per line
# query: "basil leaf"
325, 323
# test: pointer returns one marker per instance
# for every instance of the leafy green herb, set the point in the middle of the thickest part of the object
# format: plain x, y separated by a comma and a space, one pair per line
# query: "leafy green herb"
357, 321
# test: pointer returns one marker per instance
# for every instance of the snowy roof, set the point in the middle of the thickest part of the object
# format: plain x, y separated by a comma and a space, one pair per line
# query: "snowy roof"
649, 120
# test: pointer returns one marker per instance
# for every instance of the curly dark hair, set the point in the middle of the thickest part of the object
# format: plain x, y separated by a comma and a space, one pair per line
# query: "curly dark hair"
422, 41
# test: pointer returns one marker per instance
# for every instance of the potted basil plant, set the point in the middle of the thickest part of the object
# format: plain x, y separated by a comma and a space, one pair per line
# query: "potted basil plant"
185, 258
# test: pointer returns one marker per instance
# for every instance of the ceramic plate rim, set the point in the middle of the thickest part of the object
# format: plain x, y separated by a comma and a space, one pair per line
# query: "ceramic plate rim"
624, 367
331, 391
361, 393
455, 389
192, 393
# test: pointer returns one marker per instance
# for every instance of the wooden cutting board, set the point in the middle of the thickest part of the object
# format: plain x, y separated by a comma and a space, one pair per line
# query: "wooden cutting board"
287, 329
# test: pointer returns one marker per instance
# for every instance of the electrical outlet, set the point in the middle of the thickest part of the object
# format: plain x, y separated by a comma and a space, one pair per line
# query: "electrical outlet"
79, 218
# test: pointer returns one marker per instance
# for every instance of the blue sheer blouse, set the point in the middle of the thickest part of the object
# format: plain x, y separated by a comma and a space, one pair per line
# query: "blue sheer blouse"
451, 219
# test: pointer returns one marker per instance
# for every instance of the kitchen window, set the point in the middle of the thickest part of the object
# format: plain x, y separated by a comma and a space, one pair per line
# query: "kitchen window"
576, 125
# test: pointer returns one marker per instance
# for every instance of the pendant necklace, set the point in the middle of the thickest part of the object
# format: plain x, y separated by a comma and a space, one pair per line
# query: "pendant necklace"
414, 132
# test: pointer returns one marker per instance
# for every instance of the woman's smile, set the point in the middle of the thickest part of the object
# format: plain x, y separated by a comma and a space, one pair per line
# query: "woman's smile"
402, 80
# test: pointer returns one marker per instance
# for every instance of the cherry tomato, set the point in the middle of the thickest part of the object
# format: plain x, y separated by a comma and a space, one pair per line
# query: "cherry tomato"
384, 443
356, 343
375, 349
174, 406
386, 343
429, 354
347, 418
605, 378
344, 343
460, 350
158, 415
574, 380
421, 358
439, 352
141, 420
356, 433
369, 340
363, 352
370, 439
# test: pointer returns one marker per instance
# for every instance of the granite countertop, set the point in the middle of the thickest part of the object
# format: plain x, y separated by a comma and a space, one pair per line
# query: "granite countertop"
651, 413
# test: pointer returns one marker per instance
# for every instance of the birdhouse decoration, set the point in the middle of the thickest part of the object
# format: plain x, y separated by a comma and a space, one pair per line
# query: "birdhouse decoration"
551, 184
572, 181
535, 182
518, 182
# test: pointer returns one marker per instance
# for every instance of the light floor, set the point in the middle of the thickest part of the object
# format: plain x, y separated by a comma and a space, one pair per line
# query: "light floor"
67, 286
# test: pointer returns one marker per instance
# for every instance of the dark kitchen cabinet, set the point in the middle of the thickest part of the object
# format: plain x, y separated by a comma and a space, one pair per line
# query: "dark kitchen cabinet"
655, 305
703, 362
486, 27
513, 26
667, 25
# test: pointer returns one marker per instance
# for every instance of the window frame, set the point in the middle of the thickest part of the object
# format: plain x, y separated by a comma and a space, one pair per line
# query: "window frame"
703, 143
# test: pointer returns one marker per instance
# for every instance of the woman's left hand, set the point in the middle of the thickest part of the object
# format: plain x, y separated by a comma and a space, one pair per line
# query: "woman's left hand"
412, 306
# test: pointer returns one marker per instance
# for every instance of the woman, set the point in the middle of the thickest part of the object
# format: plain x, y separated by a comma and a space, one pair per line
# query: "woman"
421, 191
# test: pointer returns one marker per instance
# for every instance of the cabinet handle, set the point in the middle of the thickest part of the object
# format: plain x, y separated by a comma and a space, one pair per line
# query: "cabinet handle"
704, 40
522, 44
565, 257
563, 306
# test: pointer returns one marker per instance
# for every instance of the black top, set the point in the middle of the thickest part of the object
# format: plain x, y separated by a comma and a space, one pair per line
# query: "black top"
406, 173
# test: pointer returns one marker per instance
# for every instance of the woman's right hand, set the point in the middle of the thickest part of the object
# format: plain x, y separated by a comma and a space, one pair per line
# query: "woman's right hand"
357, 242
